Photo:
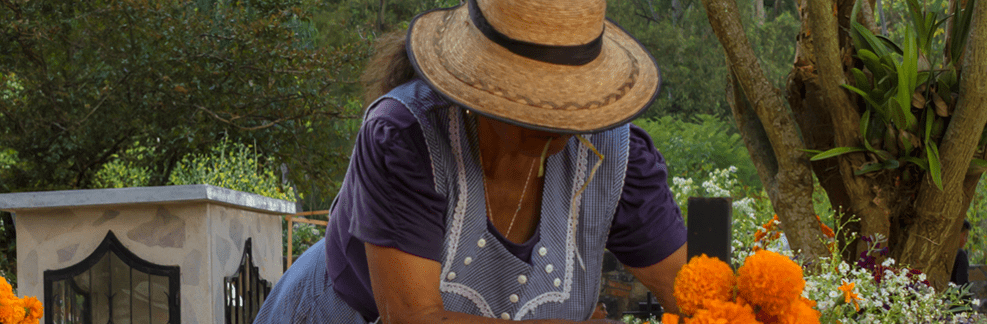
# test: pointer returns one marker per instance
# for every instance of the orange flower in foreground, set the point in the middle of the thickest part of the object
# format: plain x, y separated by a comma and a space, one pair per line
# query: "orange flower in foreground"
5, 289
34, 310
724, 312
669, 318
800, 312
11, 310
849, 295
701, 280
15, 310
770, 281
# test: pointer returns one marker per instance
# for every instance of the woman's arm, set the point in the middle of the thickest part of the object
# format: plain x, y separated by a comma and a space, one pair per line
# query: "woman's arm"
660, 278
406, 289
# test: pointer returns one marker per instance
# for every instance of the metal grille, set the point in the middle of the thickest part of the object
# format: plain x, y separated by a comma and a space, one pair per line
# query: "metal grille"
245, 291
112, 285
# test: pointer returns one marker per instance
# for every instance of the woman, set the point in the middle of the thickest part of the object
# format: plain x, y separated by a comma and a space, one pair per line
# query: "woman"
493, 171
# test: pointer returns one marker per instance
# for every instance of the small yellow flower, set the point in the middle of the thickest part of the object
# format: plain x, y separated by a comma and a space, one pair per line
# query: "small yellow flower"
849, 295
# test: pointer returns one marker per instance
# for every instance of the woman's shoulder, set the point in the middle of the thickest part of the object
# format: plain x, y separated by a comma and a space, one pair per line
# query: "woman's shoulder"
391, 112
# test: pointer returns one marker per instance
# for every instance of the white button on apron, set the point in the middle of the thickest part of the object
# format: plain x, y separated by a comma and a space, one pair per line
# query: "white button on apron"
481, 243
522, 279
505, 316
549, 268
451, 276
542, 251
514, 298
468, 261
557, 282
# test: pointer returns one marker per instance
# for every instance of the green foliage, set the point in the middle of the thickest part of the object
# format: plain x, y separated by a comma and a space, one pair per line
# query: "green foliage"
239, 167
234, 166
694, 149
8, 248
84, 83
126, 169
305, 235
977, 216
693, 70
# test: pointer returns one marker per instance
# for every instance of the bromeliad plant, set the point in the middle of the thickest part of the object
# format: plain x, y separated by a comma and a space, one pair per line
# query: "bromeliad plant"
909, 96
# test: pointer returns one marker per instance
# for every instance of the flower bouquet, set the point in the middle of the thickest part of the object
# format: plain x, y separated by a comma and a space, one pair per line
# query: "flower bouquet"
767, 288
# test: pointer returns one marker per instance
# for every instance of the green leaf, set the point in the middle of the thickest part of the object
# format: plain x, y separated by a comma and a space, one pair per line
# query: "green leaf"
871, 61
836, 151
935, 168
862, 94
869, 167
890, 164
960, 32
864, 126
890, 43
860, 80
922, 164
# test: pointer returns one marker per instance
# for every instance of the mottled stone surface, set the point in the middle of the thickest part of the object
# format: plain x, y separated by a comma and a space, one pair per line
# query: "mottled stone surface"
222, 249
65, 254
165, 230
107, 216
236, 230
28, 269
190, 318
192, 268
56, 221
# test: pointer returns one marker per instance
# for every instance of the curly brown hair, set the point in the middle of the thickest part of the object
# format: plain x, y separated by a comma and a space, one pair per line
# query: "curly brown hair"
387, 68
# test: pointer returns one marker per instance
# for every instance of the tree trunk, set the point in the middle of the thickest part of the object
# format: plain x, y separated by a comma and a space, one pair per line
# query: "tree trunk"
759, 11
790, 184
920, 221
380, 16
932, 240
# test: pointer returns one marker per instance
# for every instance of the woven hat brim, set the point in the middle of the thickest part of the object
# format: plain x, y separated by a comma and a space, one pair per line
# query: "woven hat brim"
458, 61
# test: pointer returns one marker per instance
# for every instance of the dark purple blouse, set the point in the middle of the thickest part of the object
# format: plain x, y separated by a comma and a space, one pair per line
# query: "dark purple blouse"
390, 183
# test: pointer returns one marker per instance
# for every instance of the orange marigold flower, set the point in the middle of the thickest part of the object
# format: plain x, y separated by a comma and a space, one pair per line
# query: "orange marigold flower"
5, 289
800, 312
701, 280
724, 312
669, 318
34, 310
770, 281
849, 295
11, 310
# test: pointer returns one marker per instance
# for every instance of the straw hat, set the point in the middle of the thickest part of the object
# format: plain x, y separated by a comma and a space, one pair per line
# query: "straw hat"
556, 65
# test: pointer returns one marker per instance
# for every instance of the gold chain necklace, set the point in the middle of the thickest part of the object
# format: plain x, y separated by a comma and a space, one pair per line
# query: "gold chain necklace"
520, 201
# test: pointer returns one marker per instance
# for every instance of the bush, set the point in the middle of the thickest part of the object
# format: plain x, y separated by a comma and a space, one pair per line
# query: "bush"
692, 150
236, 166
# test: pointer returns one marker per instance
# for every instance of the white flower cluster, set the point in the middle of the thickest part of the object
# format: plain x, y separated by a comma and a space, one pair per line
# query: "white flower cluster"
897, 298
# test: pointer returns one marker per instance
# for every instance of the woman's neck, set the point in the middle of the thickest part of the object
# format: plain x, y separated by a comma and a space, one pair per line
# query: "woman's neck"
510, 157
